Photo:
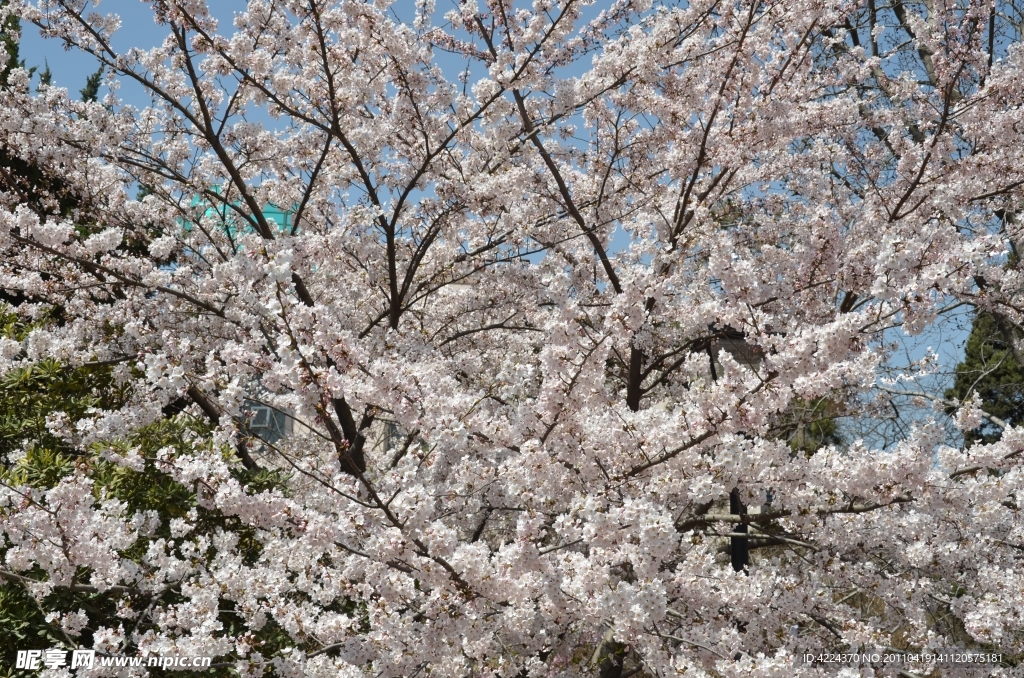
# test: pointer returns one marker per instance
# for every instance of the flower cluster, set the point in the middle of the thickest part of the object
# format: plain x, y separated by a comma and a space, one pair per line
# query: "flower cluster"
539, 316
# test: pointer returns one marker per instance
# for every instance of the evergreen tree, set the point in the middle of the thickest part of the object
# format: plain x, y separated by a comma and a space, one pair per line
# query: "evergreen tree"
92, 86
990, 370
10, 30
45, 76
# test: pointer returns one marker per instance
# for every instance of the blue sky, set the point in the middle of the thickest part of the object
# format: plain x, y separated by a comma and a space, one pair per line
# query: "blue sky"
138, 29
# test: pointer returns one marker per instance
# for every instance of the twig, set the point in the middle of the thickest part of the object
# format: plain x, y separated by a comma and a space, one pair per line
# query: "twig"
77, 588
693, 643
949, 403
563, 546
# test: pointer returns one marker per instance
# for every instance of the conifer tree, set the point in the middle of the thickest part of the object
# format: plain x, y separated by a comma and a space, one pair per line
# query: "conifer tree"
92, 86
990, 370
46, 75
10, 29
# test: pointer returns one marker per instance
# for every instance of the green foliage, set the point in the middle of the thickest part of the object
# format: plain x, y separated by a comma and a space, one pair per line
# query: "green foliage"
31, 454
92, 86
22, 626
45, 75
10, 29
28, 395
990, 370
810, 425
22, 619
34, 456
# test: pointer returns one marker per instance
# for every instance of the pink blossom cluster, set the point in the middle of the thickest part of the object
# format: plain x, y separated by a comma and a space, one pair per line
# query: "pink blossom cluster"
503, 317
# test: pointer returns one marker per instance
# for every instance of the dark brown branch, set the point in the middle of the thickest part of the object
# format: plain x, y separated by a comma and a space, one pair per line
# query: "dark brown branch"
212, 413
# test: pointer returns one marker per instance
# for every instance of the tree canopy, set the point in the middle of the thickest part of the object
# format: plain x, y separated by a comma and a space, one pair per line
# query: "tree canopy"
560, 306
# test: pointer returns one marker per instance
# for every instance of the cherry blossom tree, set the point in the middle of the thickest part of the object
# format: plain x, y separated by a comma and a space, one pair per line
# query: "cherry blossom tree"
539, 288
